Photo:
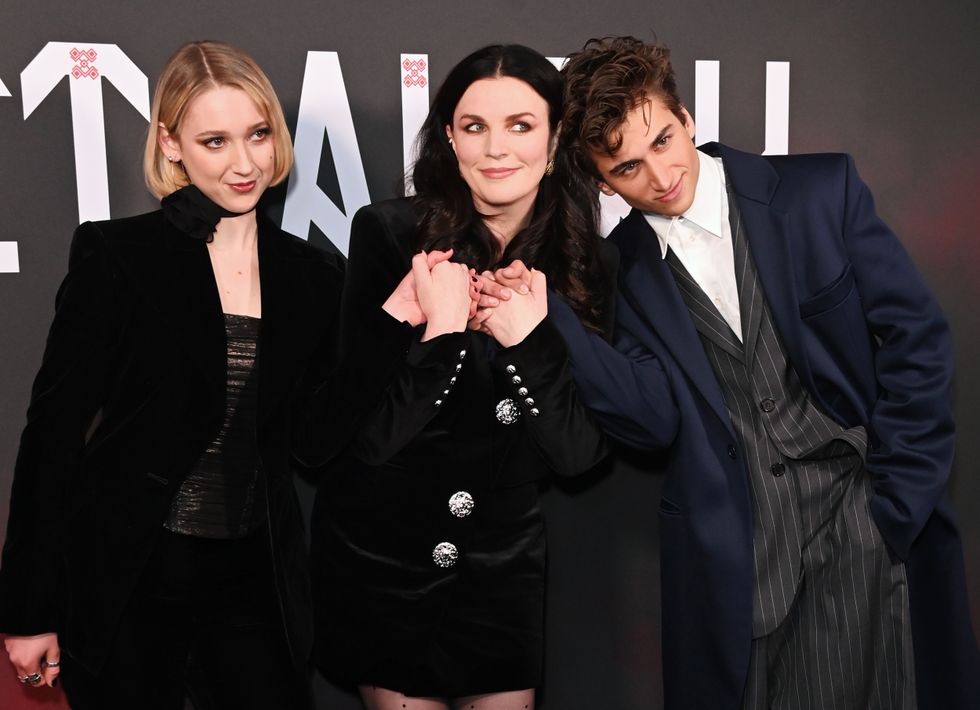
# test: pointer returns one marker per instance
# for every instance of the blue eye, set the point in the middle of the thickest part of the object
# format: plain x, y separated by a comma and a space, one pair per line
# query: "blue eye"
521, 127
474, 128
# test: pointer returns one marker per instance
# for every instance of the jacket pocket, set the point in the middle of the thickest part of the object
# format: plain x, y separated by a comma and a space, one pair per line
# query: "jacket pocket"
830, 296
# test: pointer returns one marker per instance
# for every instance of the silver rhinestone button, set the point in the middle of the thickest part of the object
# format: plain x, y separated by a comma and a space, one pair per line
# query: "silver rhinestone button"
522, 391
458, 367
535, 412
529, 401
445, 554
510, 369
516, 379
438, 403
461, 504
462, 354
507, 411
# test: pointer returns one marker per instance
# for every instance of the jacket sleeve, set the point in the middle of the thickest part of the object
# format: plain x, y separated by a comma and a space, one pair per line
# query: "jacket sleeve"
359, 359
624, 384
910, 424
563, 431
68, 390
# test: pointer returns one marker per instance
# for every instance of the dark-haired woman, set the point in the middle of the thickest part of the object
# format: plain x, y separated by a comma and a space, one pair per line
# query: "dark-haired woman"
155, 546
428, 541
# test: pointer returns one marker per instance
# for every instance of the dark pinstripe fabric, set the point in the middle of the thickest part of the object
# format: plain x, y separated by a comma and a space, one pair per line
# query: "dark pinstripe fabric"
830, 608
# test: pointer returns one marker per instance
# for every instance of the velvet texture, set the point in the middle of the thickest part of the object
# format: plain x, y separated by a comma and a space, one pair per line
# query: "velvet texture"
194, 213
130, 392
387, 615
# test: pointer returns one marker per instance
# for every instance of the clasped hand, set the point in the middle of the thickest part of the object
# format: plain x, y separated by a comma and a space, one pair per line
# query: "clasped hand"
449, 297
512, 301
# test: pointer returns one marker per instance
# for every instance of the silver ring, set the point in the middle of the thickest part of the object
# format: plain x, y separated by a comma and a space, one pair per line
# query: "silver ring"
23, 679
50, 664
33, 679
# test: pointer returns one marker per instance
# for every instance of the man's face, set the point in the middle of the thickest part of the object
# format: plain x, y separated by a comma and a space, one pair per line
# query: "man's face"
656, 167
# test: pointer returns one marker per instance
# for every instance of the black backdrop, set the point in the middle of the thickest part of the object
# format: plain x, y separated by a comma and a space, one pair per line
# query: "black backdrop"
892, 83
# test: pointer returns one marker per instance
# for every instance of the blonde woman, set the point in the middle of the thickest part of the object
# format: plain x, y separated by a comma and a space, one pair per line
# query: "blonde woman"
155, 546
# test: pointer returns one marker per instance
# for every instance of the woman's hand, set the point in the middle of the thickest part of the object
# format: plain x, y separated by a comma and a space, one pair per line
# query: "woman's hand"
510, 321
403, 303
444, 295
35, 657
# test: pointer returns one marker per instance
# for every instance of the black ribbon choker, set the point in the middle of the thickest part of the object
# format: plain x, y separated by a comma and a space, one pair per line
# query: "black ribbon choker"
194, 213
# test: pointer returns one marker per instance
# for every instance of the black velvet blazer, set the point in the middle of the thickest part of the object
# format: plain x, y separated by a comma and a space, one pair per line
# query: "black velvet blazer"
129, 394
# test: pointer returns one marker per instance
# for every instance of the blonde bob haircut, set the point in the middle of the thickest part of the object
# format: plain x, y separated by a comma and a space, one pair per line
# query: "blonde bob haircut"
193, 69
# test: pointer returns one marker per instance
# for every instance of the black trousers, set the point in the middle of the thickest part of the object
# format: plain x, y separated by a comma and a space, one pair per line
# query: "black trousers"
204, 622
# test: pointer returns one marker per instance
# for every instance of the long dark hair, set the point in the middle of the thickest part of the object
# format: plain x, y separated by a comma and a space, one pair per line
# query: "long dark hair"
561, 239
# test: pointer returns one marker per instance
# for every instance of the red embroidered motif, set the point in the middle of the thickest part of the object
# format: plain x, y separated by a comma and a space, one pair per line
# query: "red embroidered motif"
415, 73
83, 59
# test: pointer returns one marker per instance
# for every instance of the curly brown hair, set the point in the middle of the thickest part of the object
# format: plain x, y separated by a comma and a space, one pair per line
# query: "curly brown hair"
606, 80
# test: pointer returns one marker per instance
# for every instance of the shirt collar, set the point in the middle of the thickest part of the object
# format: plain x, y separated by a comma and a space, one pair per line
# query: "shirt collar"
707, 208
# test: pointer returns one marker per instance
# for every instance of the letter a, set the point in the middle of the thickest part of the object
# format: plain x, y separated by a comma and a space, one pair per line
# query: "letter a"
323, 107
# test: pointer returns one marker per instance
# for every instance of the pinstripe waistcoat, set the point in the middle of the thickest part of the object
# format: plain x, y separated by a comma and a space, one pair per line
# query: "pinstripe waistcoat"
794, 452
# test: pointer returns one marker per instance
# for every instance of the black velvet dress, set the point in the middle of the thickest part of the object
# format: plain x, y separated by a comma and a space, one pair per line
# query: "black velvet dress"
428, 542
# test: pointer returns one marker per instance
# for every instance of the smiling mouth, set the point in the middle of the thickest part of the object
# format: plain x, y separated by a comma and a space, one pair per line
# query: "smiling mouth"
242, 187
498, 173
672, 193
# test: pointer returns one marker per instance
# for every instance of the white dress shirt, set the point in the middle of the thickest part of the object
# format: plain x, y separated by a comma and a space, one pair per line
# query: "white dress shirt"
702, 240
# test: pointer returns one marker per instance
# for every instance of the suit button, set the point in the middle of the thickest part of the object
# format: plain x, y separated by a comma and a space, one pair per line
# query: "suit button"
777, 469
445, 554
461, 504
507, 411
731, 451
767, 405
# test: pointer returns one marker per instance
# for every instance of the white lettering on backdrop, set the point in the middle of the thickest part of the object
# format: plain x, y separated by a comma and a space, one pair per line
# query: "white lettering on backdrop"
415, 107
324, 114
324, 110
85, 65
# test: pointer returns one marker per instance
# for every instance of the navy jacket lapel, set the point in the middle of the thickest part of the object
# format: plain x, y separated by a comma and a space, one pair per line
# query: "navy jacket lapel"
754, 183
651, 291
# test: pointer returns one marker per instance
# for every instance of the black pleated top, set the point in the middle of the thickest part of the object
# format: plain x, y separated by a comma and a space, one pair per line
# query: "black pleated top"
224, 495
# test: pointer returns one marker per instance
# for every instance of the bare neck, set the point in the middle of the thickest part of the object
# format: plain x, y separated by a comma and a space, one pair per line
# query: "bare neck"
236, 234
505, 221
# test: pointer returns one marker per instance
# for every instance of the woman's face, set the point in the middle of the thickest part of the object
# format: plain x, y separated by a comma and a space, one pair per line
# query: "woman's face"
225, 146
501, 138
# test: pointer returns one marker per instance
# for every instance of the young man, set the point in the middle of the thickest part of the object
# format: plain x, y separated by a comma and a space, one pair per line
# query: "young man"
775, 338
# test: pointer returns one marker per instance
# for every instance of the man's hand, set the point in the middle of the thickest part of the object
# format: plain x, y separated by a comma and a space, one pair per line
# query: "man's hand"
512, 320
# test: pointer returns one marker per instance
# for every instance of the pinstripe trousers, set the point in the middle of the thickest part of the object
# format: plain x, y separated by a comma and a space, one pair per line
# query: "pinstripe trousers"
830, 612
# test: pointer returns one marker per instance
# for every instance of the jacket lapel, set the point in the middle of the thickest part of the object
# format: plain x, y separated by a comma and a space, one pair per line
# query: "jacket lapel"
754, 183
651, 291
282, 327
188, 297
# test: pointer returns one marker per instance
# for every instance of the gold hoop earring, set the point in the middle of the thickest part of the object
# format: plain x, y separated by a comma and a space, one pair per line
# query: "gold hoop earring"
550, 167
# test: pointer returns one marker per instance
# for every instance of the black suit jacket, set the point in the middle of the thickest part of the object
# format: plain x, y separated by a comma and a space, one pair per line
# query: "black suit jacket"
129, 394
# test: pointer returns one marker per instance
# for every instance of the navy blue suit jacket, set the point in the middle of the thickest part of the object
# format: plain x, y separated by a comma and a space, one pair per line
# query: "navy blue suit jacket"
868, 342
